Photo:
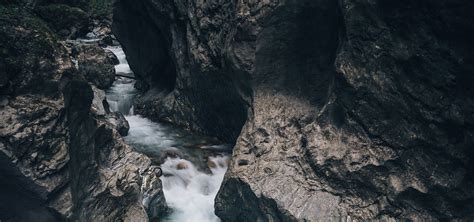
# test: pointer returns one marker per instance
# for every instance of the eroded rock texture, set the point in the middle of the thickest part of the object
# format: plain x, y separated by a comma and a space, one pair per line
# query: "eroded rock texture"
95, 65
61, 155
109, 175
181, 64
352, 109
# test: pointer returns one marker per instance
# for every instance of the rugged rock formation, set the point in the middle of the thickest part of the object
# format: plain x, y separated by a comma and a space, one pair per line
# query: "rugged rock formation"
61, 154
353, 109
109, 176
183, 63
95, 64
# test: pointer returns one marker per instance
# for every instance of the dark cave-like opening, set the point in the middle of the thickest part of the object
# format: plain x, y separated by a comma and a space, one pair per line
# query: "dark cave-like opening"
150, 57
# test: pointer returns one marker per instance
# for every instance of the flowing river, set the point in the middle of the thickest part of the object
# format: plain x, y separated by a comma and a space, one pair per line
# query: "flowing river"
193, 165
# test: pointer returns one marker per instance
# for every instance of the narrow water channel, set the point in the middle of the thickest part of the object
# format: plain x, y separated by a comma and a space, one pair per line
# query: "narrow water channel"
193, 165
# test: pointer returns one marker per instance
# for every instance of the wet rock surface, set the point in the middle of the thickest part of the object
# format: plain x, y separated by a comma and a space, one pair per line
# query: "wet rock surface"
353, 109
61, 155
111, 177
166, 48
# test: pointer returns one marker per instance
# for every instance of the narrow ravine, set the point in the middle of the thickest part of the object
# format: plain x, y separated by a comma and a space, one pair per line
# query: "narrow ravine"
193, 165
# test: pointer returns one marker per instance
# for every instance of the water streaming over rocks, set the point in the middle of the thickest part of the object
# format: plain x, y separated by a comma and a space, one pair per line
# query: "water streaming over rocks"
193, 165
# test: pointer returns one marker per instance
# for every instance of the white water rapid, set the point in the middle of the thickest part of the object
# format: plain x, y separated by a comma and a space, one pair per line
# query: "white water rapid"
193, 165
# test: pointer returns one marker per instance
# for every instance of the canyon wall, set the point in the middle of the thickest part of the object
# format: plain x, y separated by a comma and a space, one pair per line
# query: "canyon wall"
61, 155
340, 109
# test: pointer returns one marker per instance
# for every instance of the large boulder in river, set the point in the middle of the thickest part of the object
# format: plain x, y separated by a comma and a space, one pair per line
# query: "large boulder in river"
111, 58
96, 65
119, 122
352, 109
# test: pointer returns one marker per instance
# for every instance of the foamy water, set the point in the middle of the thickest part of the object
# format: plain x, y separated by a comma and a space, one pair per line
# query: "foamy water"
190, 192
194, 172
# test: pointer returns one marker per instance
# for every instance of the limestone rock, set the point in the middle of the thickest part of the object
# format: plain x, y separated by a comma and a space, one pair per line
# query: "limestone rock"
61, 157
96, 65
116, 177
111, 58
119, 122
179, 65
344, 110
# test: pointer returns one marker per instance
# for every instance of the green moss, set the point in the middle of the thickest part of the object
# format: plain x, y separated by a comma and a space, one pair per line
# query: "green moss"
17, 24
101, 8
61, 16
27, 45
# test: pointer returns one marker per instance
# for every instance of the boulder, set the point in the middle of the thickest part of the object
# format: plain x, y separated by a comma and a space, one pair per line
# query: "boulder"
111, 58
96, 65
119, 123
109, 40
182, 166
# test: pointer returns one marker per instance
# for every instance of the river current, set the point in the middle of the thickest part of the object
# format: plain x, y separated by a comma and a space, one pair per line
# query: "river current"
193, 165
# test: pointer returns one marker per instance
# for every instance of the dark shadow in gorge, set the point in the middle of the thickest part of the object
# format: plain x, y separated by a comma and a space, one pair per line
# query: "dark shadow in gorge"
296, 50
149, 57
165, 52
18, 196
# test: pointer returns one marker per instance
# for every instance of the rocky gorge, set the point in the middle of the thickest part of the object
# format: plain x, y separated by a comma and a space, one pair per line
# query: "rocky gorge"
341, 110
61, 155
348, 110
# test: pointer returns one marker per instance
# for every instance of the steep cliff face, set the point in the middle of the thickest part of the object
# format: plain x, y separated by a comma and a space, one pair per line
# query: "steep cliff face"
108, 175
61, 155
33, 136
360, 109
179, 57
387, 136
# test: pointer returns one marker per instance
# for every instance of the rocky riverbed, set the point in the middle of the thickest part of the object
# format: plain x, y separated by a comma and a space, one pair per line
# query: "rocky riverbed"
192, 165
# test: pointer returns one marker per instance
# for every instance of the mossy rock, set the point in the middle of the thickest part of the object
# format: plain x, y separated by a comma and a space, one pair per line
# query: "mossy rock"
101, 9
29, 52
62, 18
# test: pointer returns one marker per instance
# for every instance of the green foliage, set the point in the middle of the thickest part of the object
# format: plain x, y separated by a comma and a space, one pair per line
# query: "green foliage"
63, 16
21, 31
101, 8
19, 19
27, 45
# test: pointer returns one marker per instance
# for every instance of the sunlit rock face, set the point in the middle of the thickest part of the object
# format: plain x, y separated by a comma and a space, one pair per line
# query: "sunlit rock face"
346, 109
